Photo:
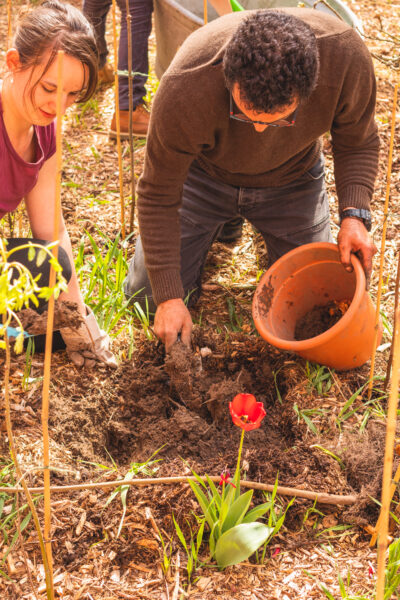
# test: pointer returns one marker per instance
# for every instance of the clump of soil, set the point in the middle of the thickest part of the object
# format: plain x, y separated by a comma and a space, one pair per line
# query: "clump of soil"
320, 319
66, 314
184, 367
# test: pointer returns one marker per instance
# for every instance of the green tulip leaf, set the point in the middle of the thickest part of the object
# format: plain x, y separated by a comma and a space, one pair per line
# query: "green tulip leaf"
257, 512
237, 511
238, 543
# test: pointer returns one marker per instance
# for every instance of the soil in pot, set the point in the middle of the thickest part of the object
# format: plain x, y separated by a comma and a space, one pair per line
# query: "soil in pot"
320, 319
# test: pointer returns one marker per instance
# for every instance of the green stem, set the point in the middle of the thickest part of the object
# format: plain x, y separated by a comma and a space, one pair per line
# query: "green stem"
237, 472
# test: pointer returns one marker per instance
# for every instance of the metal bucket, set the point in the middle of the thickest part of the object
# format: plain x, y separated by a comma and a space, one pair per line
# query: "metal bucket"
176, 19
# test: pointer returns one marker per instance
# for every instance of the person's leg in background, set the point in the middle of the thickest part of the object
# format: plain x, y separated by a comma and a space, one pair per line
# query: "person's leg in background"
140, 11
21, 256
96, 12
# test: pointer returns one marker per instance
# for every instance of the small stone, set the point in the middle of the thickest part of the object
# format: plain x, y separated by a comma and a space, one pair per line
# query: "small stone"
205, 351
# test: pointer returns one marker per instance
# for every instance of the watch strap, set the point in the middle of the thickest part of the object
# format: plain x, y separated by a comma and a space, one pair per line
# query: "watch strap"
359, 213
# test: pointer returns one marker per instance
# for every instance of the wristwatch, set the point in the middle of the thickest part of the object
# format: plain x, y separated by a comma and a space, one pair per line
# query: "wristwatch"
359, 213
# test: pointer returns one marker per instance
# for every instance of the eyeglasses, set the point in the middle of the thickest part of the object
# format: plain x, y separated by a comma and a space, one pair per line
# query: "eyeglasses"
288, 122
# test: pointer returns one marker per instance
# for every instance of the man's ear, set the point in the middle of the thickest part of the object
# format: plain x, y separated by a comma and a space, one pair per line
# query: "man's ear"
12, 60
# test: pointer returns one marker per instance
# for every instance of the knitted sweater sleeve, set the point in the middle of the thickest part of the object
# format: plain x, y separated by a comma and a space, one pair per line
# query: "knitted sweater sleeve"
355, 138
177, 130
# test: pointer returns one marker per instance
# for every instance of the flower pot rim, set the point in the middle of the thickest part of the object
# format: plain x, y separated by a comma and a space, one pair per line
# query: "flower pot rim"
310, 343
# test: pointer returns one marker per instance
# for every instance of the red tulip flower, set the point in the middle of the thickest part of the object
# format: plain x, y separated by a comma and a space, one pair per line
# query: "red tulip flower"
246, 412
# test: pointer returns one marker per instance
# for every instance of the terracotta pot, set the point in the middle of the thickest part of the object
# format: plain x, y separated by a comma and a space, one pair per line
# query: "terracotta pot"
309, 276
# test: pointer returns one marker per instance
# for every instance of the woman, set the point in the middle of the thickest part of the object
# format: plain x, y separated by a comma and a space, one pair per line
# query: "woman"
28, 97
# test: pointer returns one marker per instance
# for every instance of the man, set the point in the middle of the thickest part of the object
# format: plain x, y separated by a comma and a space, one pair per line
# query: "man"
235, 131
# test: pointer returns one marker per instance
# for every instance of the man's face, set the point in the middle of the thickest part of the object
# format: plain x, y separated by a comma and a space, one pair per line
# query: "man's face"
265, 118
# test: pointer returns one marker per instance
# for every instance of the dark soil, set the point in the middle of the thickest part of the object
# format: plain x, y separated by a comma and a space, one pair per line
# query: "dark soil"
180, 404
320, 319
66, 314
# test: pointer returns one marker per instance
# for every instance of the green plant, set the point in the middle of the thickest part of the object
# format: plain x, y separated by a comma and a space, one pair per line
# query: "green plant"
192, 548
371, 407
392, 579
144, 318
329, 453
344, 594
101, 276
312, 510
166, 553
392, 576
235, 532
11, 527
278, 393
306, 413
319, 378
19, 289
276, 517
122, 490
235, 320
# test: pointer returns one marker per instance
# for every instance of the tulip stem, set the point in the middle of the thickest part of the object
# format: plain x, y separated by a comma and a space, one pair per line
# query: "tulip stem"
237, 472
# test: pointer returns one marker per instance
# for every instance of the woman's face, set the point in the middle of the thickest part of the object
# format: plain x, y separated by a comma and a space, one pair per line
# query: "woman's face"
40, 107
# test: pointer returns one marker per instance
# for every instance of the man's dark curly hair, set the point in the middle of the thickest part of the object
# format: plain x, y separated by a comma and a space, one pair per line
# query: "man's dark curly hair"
273, 57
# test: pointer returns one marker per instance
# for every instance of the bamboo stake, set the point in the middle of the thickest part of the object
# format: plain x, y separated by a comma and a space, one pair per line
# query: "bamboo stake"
205, 12
9, 24
130, 91
50, 317
383, 244
396, 303
388, 464
117, 120
13, 452
393, 488
322, 498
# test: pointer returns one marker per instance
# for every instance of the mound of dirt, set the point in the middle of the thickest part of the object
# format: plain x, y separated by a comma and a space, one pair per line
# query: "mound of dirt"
66, 314
181, 403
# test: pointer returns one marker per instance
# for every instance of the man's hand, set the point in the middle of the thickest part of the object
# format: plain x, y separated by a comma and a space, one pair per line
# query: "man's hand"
171, 318
354, 238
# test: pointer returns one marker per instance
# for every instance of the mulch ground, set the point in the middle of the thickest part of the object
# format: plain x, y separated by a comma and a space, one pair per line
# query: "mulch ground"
176, 407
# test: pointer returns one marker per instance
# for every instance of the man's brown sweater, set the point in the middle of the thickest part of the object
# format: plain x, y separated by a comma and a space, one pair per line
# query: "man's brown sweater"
190, 120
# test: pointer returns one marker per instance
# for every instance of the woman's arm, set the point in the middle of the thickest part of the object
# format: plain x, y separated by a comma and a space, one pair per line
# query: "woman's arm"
223, 7
40, 207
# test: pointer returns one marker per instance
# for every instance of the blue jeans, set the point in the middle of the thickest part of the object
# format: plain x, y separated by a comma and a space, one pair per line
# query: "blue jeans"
286, 217
96, 12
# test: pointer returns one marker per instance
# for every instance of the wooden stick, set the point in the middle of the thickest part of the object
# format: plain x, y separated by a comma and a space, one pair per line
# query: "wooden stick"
322, 497
13, 452
393, 488
383, 244
388, 463
9, 24
205, 12
50, 318
117, 120
396, 303
130, 91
